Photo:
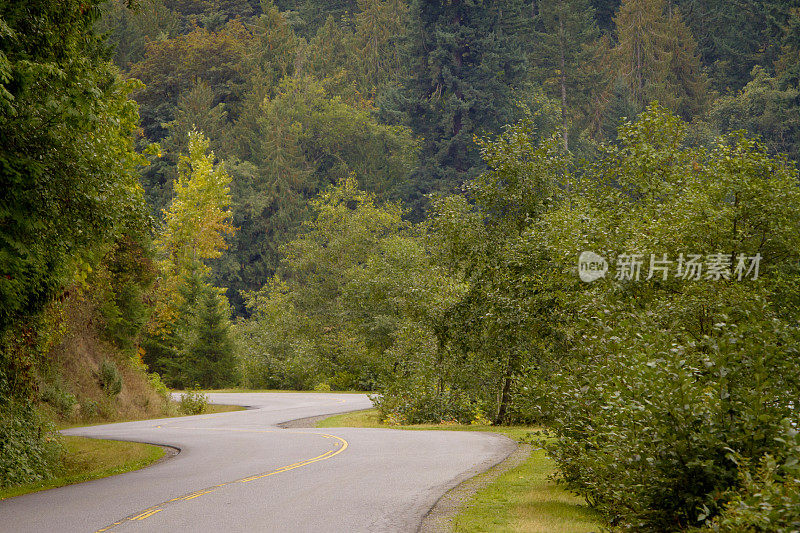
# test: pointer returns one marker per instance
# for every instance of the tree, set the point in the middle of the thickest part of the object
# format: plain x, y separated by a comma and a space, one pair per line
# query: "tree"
766, 107
657, 58
334, 309
567, 49
208, 358
69, 191
464, 60
171, 67
302, 141
605, 10
316, 12
734, 38
199, 218
68, 165
672, 375
194, 232
129, 29
501, 318
379, 26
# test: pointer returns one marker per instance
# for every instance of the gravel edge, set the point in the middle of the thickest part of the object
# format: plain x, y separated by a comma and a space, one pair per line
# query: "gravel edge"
440, 518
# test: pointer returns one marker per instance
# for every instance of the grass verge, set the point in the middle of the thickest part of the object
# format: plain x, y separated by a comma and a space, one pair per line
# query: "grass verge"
522, 499
86, 459
525, 499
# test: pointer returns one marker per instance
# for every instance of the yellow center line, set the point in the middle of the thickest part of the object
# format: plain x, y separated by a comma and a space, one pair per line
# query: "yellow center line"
195, 495
340, 443
146, 515
326, 455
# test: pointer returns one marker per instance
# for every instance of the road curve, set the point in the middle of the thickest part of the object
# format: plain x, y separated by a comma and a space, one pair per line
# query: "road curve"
239, 471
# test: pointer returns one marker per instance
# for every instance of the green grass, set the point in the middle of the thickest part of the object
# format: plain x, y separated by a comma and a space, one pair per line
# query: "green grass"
214, 408
86, 459
523, 499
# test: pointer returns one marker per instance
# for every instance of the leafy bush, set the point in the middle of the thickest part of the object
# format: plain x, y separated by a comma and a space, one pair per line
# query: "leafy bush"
645, 424
769, 499
89, 409
193, 402
155, 381
28, 450
110, 379
62, 401
667, 375
417, 406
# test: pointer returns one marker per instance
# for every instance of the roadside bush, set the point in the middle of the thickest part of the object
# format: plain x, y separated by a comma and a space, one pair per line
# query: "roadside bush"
110, 379
647, 424
193, 402
417, 405
155, 381
28, 450
769, 499
62, 401
89, 409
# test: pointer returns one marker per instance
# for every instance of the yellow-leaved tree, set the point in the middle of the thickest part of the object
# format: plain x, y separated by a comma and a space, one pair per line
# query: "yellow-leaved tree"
199, 218
195, 227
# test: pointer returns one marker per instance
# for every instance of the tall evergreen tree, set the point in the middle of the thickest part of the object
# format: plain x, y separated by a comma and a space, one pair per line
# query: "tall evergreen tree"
208, 358
315, 12
604, 14
465, 58
378, 26
656, 57
735, 36
565, 53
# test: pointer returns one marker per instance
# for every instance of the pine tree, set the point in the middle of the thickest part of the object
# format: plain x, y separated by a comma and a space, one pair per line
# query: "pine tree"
657, 59
316, 12
209, 358
465, 57
604, 14
736, 36
378, 25
565, 53
196, 225
685, 88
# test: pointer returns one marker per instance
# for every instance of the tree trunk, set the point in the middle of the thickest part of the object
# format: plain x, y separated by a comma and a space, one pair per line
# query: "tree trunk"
505, 399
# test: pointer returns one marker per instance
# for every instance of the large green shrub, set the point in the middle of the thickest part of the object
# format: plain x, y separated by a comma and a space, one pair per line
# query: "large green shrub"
193, 402
668, 375
769, 498
29, 450
110, 378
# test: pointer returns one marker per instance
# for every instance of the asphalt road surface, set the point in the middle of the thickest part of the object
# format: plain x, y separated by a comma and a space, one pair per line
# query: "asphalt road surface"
239, 471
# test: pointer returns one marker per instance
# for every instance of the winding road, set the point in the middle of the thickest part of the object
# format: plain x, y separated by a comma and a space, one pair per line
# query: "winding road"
240, 471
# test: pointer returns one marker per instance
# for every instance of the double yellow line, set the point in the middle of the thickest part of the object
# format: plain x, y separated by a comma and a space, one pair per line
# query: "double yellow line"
158, 508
